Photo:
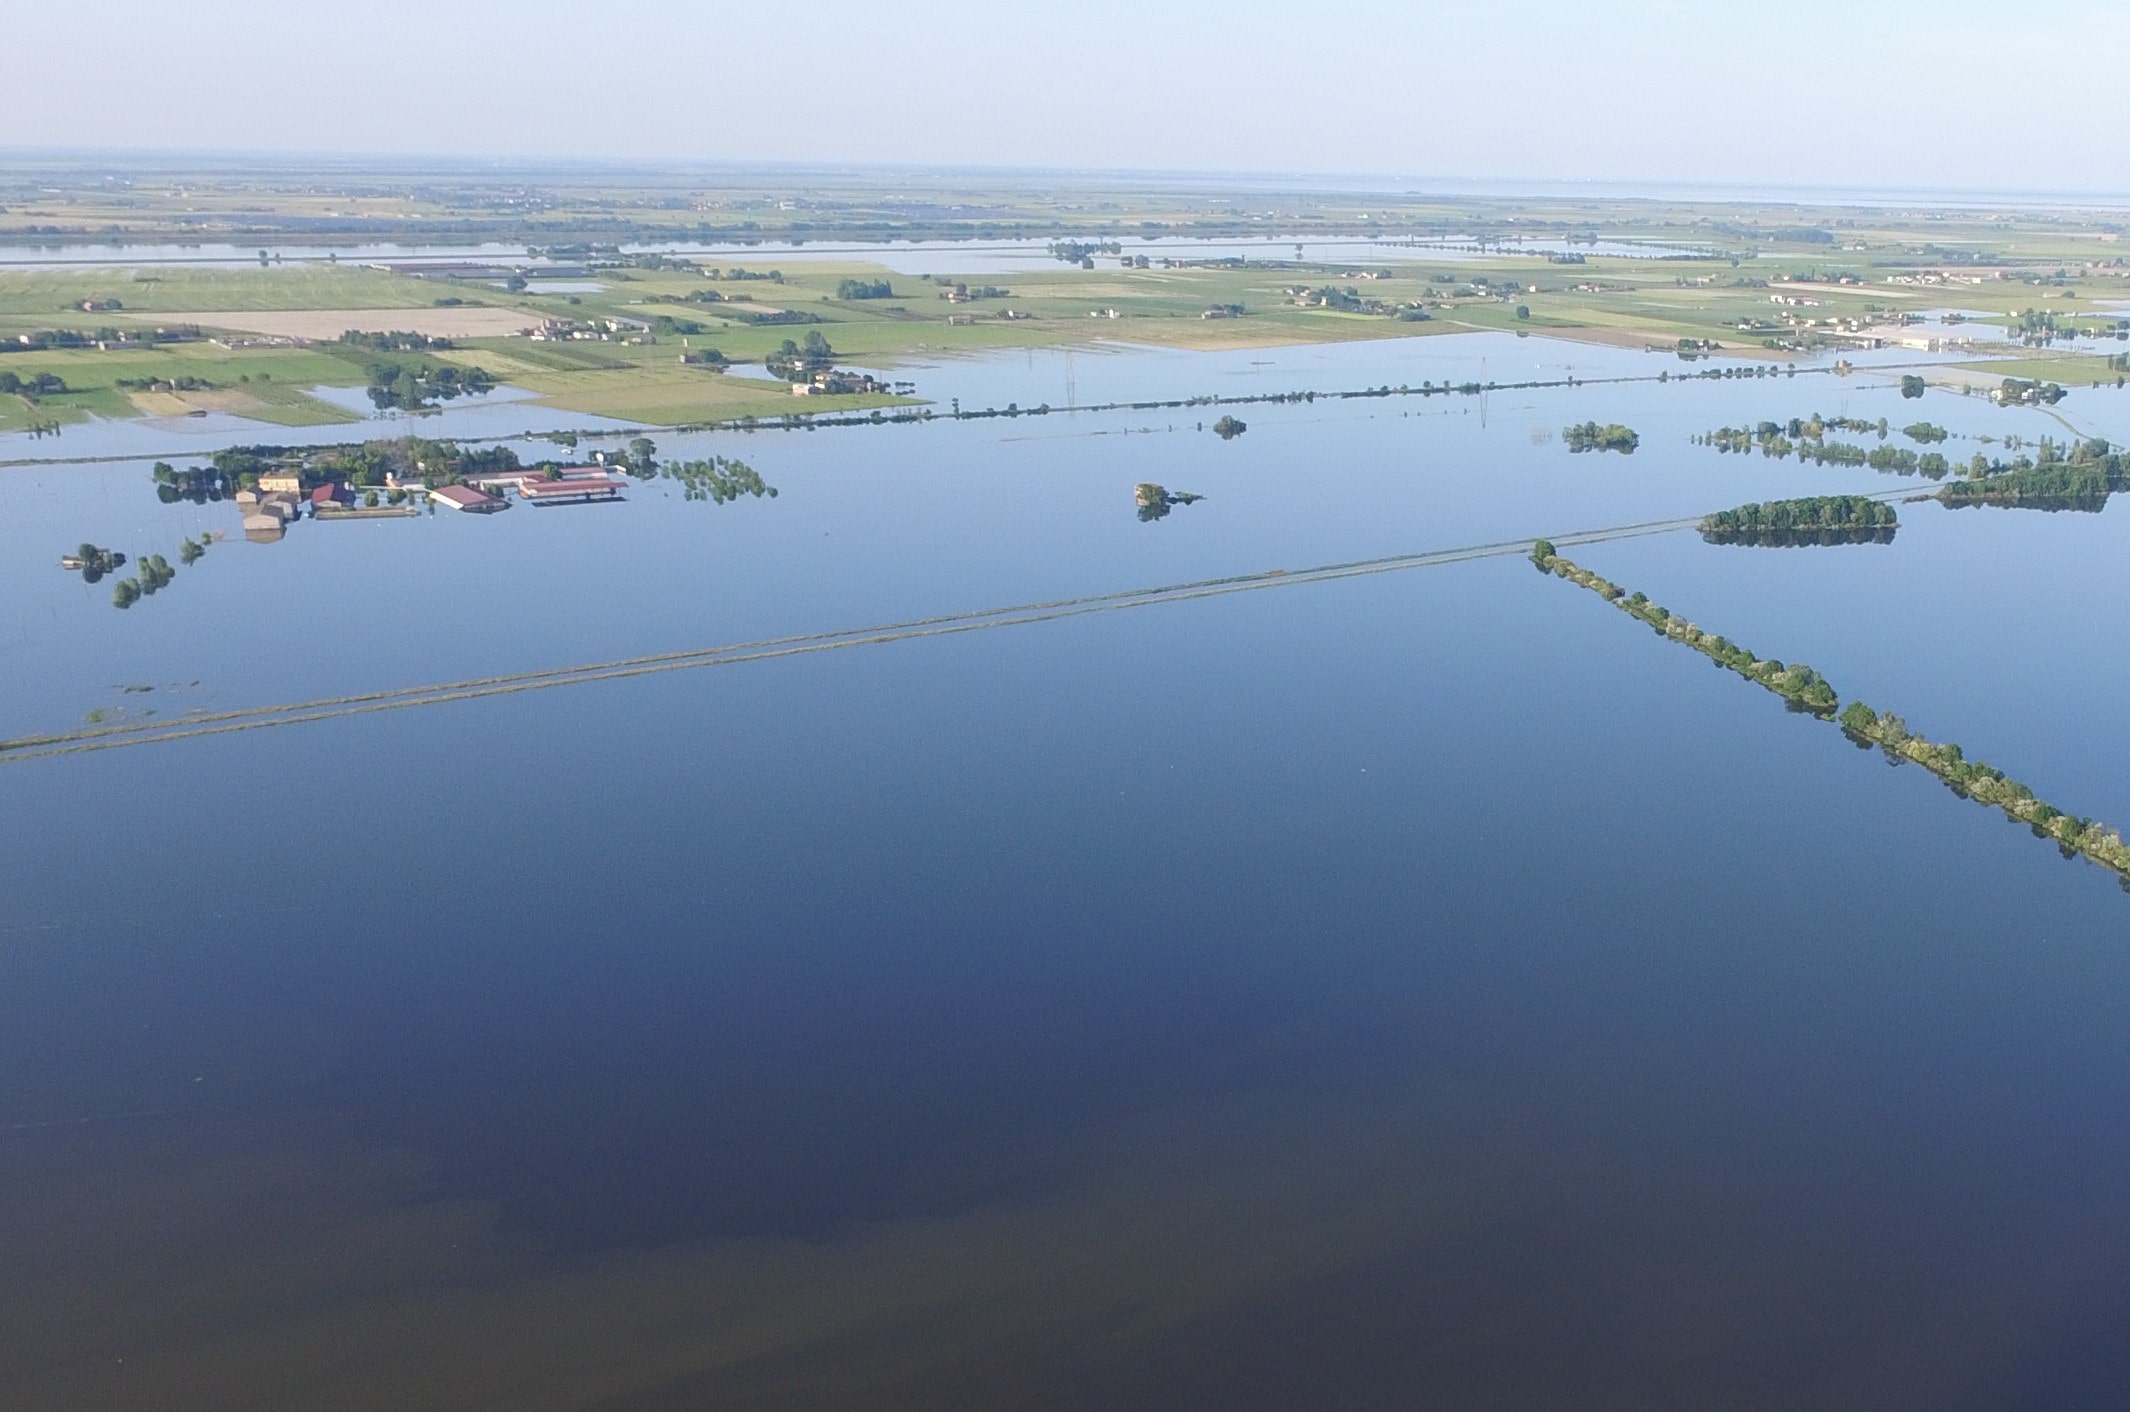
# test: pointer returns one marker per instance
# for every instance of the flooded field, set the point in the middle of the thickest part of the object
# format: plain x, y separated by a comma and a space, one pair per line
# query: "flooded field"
1420, 986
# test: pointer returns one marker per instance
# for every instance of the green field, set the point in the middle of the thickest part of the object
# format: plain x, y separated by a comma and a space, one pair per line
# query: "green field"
52, 298
2068, 369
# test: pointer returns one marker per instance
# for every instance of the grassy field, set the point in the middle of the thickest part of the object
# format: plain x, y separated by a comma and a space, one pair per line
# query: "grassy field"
268, 385
2068, 369
53, 298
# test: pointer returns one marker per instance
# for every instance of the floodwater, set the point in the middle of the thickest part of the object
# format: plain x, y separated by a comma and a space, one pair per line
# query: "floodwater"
902, 256
1419, 989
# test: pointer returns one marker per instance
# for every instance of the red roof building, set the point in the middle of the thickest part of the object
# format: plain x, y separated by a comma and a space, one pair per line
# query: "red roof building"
553, 492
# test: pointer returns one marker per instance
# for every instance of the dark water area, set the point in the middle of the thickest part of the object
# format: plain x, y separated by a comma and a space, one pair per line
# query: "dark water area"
1426, 988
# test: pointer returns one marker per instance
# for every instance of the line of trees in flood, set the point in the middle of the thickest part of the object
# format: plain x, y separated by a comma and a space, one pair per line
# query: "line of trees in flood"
1806, 439
150, 576
1986, 784
1804, 688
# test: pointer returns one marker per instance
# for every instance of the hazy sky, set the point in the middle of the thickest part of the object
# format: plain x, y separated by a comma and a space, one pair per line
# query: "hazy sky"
1951, 93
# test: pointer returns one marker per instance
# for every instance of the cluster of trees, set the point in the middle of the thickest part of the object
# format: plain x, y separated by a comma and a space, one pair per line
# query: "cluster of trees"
1798, 684
1809, 444
2038, 327
1348, 300
1899, 460
773, 276
1818, 519
2030, 393
414, 387
152, 575
1985, 784
191, 551
1155, 500
1351, 301
177, 384
1082, 252
1925, 432
34, 386
1228, 428
242, 465
96, 561
2076, 475
405, 458
1912, 385
395, 342
198, 484
798, 362
667, 324
1589, 436
43, 339
1766, 434
719, 480
864, 289
2059, 485
706, 358
772, 317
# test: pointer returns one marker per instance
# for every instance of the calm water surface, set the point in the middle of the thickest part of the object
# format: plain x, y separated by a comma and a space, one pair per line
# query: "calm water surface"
1419, 989
902, 256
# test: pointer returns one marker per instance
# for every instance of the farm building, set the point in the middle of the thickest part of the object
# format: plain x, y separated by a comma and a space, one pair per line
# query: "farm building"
465, 497
576, 490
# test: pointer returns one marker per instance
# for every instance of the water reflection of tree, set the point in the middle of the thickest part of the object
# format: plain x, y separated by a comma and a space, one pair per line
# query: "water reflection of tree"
1802, 538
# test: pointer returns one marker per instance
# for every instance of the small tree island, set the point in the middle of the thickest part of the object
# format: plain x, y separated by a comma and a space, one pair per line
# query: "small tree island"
1816, 519
1589, 436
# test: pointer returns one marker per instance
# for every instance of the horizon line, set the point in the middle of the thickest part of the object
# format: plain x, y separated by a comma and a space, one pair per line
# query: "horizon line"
23, 159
